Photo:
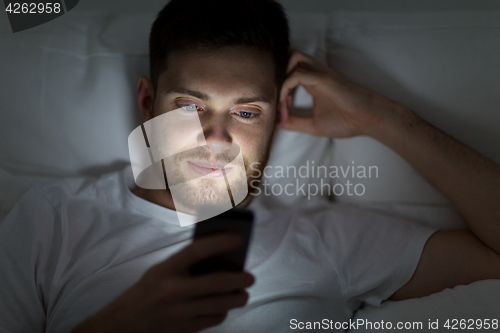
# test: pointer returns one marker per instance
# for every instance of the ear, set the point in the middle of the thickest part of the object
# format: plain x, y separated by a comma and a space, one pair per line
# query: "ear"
145, 97
277, 119
281, 114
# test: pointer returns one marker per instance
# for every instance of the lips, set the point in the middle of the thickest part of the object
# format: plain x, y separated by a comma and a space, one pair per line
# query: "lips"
205, 169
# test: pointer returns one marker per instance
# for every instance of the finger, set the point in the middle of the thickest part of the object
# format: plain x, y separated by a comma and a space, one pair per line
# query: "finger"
300, 59
283, 110
199, 323
200, 249
305, 78
220, 282
300, 124
299, 76
219, 304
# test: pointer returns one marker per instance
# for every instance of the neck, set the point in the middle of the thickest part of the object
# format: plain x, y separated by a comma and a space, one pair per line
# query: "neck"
160, 197
164, 198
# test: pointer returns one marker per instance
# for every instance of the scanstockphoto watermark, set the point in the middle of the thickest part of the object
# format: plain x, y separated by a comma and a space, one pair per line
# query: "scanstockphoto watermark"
311, 180
328, 324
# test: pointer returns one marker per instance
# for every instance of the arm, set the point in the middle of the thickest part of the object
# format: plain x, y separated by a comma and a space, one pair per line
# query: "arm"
469, 180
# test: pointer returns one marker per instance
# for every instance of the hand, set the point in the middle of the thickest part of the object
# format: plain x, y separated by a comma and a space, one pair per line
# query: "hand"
341, 109
168, 299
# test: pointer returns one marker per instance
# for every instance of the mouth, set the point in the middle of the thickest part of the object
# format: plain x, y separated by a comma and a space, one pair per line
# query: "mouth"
206, 169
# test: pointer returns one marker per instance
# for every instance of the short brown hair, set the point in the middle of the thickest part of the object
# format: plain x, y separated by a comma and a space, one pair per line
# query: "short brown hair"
199, 24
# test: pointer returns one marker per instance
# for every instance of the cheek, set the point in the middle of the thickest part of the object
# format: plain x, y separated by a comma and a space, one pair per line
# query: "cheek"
173, 132
253, 144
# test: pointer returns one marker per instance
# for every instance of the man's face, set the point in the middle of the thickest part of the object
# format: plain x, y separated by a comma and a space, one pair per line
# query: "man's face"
234, 94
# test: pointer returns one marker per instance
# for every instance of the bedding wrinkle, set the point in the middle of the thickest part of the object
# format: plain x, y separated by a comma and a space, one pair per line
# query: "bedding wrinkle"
328, 255
257, 244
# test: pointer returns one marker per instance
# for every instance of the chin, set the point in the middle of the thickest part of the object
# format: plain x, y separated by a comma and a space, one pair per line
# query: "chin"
188, 196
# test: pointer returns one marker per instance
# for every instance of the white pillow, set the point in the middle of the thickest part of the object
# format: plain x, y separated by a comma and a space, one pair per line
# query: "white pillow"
68, 95
68, 90
443, 66
294, 148
12, 187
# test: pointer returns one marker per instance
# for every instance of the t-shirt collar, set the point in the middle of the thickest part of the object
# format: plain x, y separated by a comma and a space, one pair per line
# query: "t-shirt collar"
167, 215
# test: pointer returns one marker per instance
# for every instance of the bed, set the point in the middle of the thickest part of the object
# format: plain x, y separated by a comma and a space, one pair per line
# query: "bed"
67, 99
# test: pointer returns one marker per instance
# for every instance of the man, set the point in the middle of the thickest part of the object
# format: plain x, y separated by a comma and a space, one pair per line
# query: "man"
107, 256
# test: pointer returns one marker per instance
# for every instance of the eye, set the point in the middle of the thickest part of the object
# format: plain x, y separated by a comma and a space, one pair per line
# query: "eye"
245, 114
190, 107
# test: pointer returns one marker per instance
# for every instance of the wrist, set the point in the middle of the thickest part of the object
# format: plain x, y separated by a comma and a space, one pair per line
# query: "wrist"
391, 119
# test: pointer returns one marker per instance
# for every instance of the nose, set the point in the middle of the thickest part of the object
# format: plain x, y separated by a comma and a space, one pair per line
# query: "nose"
216, 132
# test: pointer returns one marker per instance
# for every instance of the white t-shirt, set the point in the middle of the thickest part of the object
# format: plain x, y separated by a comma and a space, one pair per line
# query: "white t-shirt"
69, 248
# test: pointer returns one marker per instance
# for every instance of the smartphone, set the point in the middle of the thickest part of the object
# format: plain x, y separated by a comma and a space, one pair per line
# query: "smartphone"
234, 220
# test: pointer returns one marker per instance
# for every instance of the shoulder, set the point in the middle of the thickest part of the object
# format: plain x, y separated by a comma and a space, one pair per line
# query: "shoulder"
353, 221
356, 238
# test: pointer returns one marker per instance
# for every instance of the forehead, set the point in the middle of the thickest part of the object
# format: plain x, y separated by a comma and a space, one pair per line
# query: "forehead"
224, 72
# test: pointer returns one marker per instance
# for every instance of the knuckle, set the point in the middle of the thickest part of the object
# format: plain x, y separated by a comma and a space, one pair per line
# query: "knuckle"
228, 278
246, 280
249, 279
213, 320
243, 299
165, 293
233, 280
209, 284
296, 53
178, 312
233, 301
151, 276
222, 278
219, 319
170, 291
190, 252
194, 251
297, 73
170, 313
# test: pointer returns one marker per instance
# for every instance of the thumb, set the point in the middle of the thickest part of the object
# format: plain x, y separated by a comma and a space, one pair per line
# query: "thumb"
299, 124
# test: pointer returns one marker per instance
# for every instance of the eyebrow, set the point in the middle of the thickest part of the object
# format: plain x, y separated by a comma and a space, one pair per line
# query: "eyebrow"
183, 91
260, 97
